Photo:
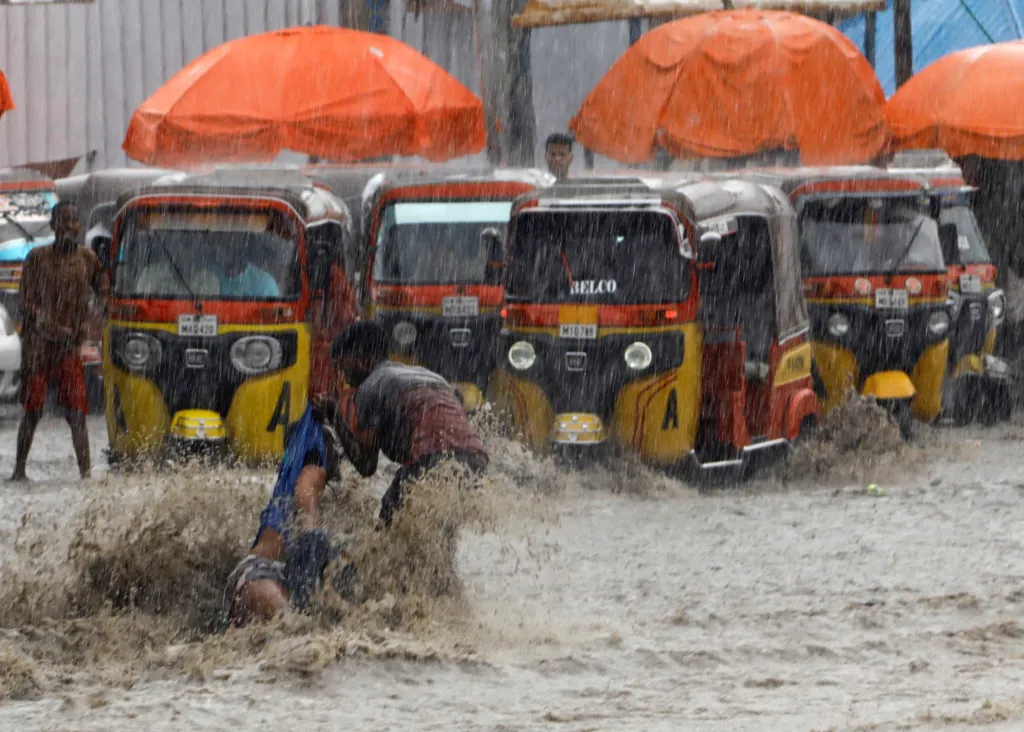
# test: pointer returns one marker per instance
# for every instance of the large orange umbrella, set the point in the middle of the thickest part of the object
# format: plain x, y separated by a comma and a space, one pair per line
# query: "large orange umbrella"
734, 83
966, 103
6, 100
332, 92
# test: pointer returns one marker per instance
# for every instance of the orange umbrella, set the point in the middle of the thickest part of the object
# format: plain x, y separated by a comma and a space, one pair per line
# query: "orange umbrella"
966, 103
336, 93
733, 83
6, 100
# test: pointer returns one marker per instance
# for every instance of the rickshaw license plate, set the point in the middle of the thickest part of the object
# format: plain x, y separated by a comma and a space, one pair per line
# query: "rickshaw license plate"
886, 299
576, 330
460, 307
970, 284
197, 325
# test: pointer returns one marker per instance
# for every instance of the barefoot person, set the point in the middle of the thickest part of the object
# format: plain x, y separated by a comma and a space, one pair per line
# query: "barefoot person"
410, 414
290, 553
56, 282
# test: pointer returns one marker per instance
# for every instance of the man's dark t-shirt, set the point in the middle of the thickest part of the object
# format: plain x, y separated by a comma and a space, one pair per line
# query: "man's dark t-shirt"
415, 412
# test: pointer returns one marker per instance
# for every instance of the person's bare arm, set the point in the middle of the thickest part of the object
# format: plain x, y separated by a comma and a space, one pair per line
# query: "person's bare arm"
309, 490
361, 448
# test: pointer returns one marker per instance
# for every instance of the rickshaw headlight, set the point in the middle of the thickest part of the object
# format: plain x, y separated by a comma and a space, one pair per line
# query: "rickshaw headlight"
141, 351
256, 354
521, 355
404, 333
838, 325
997, 306
638, 356
938, 323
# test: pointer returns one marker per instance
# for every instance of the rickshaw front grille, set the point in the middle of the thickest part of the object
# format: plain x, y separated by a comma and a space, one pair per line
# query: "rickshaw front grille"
459, 349
594, 387
881, 340
185, 385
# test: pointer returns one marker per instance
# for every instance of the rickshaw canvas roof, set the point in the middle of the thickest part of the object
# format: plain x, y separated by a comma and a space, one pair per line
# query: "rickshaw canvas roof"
21, 177
791, 179
89, 190
310, 201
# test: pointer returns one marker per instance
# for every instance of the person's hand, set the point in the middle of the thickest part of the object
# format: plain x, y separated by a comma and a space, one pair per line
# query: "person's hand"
325, 409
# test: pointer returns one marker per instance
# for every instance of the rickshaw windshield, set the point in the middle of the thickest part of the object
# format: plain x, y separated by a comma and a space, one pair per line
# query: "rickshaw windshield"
440, 242
614, 258
223, 255
842, 236
24, 212
969, 240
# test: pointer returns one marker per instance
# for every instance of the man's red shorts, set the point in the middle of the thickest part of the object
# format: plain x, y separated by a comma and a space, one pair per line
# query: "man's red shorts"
67, 375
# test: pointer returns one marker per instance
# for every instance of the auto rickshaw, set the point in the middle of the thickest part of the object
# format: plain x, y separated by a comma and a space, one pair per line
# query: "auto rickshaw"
659, 317
876, 285
435, 259
95, 194
977, 384
349, 183
227, 289
26, 198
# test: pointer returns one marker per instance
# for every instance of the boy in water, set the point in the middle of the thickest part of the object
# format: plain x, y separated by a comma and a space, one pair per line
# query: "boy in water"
290, 553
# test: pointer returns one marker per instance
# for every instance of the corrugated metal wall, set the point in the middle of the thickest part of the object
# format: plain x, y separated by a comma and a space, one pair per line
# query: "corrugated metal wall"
77, 72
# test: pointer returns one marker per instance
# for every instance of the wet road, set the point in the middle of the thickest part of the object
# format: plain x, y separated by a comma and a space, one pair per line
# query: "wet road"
602, 605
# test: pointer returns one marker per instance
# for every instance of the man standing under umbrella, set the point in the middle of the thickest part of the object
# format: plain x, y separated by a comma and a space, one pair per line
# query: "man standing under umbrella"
56, 283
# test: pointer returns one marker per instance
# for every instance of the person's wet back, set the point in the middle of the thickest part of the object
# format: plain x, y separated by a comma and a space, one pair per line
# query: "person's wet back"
409, 413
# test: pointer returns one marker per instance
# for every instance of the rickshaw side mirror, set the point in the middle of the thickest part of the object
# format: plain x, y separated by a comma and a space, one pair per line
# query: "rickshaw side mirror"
949, 240
707, 252
100, 246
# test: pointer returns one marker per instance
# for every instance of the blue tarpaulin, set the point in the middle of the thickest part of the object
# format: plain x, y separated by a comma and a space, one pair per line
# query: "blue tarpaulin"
940, 27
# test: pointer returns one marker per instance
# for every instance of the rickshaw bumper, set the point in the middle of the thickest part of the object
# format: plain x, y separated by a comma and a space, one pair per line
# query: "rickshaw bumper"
889, 386
190, 426
751, 459
470, 395
578, 429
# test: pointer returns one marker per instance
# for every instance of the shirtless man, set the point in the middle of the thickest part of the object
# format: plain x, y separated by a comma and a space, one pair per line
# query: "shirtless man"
56, 282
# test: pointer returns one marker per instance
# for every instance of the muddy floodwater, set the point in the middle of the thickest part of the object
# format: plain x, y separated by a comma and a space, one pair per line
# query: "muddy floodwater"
612, 599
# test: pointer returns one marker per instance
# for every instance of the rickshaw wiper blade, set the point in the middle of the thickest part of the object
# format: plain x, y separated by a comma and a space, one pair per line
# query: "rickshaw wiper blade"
180, 276
899, 262
27, 234
568, 269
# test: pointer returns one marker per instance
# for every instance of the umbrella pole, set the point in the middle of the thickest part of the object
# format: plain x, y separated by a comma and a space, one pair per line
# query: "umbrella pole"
903, 45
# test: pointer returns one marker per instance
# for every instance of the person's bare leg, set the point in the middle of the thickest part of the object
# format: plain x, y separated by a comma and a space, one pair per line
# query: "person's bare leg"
26, 431
309, 489
263, 599
80, 440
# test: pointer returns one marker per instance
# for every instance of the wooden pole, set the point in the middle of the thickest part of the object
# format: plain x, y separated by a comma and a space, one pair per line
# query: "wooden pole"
870, 36
522, 118
902, 41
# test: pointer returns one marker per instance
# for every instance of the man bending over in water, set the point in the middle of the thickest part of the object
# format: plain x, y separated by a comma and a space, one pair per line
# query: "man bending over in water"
409, 413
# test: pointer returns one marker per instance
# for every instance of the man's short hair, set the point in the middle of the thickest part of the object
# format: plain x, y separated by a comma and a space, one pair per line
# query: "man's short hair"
360, 340
559, 138
56, 211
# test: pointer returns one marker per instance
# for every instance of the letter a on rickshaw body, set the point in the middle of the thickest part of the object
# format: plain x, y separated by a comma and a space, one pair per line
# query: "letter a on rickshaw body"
876, 286
629, 323
226, 292
977, 384
435, 264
